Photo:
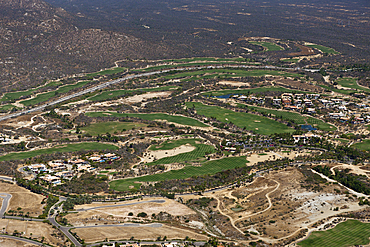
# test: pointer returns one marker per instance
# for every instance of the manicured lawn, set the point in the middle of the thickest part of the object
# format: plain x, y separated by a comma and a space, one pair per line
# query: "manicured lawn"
324, 49
17, 95
296, 117
351, 83
6, 107
152, 117
364, 145
210, 167
228, 73
197, 155
349, 233
108, 71
60, 148
110, 127
259, 124
251, 90
195, 59
268, 45
120, 93
46, 96
342, 91
290, 60
171, 144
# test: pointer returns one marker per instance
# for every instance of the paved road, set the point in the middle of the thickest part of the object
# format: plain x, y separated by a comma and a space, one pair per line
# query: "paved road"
6, 198
154, 225
23, 240
107, 84
119, 205
9, 179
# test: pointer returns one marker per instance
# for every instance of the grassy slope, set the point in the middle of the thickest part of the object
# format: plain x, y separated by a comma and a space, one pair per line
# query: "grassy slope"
210, 167
351, 83
296, 117
364, 145
46, 96
108, 71
324, 49
268, 45
168, 145
229, 73
61, 148
152, 117
111, 94
252, 90
258, 124
110, 127
349, 233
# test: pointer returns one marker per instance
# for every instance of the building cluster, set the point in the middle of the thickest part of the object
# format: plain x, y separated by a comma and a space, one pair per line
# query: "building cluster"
54, 172
164, 244
343, 110
232, 146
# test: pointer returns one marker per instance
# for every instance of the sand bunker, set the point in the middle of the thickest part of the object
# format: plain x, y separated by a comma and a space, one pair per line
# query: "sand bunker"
159, 154
234, 83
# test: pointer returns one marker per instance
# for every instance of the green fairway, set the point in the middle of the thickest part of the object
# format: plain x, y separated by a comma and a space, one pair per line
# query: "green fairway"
290, 60
351, 83
342, 91
364, 145
17, 95
267, 45
169, 66
258, 124
349, 233
46, 96
152, 117
228, 73
110, 127
210, 167
196, 59
197, 155
251, 91
171, 144
6, 107
296, 117
324, 49
60, 148
119, 93
108, 71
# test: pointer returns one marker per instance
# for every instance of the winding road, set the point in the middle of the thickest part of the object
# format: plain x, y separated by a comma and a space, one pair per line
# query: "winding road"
107, 84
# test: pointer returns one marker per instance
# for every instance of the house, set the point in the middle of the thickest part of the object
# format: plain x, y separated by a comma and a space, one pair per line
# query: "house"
276, 101
37, 167
336, 115
304, 137
311, 110
312, 96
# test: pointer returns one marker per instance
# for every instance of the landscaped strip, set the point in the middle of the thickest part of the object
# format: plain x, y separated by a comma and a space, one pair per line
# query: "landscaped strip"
255, 123
349, 233
152, 117
60, 148
208, 168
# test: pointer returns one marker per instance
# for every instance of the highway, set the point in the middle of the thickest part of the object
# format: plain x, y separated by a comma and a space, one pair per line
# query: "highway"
107, 84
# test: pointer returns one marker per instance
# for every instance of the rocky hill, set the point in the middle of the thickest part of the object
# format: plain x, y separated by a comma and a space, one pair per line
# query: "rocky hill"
38, 41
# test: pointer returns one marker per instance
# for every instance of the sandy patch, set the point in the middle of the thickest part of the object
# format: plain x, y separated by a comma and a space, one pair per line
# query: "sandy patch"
143, 233
143, 97
38, 230
170, 206
28, 201
14, 243
159, 154
234, 83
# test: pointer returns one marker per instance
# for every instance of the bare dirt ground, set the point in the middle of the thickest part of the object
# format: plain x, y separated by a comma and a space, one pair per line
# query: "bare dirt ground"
5, 242
234, 83
34, 229
143, 97
255, 158
280, 204
150, 156
143, 233
21, 197
119, 214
